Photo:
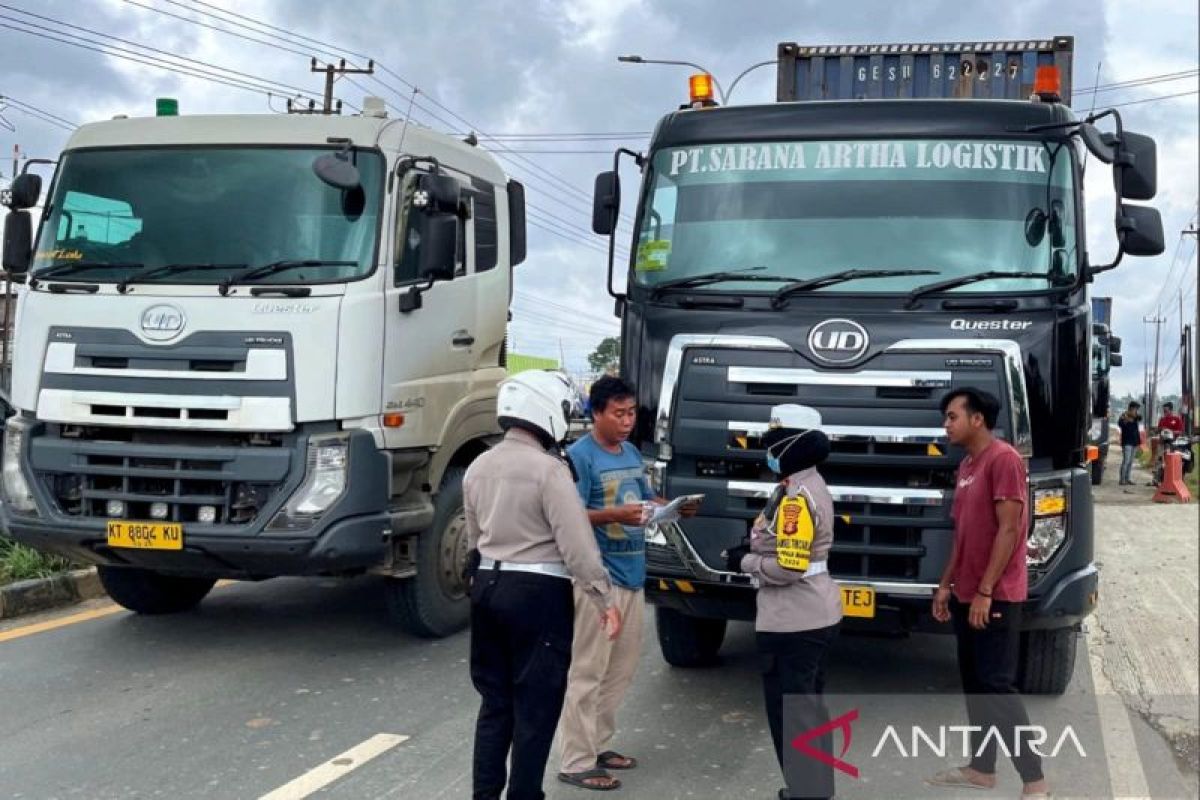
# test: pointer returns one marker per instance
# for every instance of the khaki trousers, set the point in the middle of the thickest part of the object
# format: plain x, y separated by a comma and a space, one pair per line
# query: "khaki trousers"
601, 672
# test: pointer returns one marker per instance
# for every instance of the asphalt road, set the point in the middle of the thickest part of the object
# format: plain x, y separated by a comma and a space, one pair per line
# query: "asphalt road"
266, 683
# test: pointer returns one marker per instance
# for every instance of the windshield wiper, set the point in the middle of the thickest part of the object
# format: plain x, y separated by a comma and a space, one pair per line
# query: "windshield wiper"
963, 280
264, 270
66, 269
168, 269
808, 284
705, 279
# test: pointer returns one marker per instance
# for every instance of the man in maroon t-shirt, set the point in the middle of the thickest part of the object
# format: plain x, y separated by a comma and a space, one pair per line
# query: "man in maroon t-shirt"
983, 588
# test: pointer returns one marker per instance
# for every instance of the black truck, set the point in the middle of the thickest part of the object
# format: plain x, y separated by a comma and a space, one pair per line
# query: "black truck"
907, 219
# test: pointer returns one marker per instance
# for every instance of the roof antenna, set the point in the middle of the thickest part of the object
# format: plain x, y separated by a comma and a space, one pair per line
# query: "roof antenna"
412, 101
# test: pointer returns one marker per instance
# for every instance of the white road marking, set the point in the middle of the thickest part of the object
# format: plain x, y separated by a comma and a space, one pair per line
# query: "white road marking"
1127, 779
335, 768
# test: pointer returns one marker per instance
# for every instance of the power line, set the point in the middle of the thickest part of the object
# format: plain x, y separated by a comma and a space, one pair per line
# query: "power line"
76, 41
1166, 77
1153, 99
38, 113
203, 66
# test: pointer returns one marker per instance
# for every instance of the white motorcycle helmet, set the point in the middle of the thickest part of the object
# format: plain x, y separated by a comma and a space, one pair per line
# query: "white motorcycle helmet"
544, 399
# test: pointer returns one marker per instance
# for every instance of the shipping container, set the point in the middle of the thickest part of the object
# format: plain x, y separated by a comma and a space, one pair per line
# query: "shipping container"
1001, 70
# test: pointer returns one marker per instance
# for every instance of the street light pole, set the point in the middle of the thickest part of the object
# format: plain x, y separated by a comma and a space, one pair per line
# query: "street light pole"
746, 72
640, 60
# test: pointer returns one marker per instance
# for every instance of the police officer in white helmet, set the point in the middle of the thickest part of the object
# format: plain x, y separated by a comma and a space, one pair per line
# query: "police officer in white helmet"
532, 536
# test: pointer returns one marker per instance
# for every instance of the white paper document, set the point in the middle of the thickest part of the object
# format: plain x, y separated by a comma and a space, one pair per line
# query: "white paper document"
670, 511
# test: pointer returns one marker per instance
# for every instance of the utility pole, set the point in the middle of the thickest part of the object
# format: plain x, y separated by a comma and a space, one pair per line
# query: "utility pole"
1194, 362
1153, 393
332, 73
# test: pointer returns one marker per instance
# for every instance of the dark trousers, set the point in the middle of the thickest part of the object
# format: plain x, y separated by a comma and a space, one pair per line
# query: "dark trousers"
521, 629
793, 664
987, 662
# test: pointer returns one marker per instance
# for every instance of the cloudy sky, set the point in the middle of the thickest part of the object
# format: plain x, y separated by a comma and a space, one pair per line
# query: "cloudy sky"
510, 68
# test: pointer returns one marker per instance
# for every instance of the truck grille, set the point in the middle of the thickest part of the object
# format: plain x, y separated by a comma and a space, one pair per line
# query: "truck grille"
891, 471
84, 476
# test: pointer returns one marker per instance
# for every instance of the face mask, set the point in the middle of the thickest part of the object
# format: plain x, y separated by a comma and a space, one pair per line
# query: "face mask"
773, 460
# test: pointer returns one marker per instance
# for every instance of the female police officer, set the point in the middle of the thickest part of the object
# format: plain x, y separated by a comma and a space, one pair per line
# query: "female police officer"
525, 519
799, 607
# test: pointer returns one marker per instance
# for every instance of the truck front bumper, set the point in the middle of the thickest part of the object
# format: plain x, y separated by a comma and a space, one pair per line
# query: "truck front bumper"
700, 591
352, 535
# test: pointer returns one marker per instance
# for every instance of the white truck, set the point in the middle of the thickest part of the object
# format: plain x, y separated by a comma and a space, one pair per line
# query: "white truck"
253, 346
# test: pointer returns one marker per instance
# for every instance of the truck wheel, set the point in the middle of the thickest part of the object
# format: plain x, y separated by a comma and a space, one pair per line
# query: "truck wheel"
434, 603
1047, 661
688, 641
149, 592
1097, 471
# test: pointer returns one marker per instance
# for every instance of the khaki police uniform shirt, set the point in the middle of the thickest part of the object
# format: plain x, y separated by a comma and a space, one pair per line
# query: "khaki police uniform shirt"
787, 600
522, 507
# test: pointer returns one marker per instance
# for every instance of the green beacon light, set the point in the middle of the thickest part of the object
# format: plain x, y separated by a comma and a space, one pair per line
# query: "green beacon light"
166, 107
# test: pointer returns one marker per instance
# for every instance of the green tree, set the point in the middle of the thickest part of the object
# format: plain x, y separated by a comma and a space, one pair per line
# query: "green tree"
606, 356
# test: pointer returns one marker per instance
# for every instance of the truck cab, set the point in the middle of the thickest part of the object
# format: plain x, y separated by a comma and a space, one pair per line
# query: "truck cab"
253, 346
905, 221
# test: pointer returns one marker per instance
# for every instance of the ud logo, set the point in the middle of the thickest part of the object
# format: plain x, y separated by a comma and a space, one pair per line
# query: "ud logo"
162, 322
838, 341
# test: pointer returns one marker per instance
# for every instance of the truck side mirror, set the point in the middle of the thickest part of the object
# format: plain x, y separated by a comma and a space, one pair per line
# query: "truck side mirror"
516, 223
1095, 142
18, 241
25, 191
1114, 344
437, 194
1115, 360
1140, 231
336, 170
606, 203
1137, 161
439, 246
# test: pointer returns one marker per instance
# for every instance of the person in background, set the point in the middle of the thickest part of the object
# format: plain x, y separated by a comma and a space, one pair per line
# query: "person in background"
1170, 420
982, 590
528, 537
1131, 438
799, 607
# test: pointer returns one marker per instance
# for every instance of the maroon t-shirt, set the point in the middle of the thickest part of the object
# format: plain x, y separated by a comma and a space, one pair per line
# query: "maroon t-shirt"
998, 473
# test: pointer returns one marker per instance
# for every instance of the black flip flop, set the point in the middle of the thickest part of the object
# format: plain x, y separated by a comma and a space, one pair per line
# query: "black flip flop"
605, 760
580, 779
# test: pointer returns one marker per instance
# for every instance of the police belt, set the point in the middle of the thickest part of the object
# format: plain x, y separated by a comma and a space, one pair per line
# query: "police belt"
554, 569
816, 568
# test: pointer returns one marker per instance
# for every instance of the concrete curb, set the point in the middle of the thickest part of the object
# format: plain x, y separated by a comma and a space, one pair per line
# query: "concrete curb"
40, 594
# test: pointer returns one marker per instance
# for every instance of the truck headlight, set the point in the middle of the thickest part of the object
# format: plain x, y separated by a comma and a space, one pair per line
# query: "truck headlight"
1049, 529
16, 488
1094, 431
1047, 536
324, 484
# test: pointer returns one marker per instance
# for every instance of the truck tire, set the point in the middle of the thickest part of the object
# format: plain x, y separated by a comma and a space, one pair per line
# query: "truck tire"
434, 603
149, 592
688, 641
1047, 661
1097, 471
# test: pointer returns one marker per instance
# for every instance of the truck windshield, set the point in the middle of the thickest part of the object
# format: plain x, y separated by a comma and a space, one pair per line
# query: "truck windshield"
208, 213
802, 210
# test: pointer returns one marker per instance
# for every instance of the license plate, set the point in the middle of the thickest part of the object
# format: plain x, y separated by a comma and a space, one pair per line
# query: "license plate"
858, 601
145, 535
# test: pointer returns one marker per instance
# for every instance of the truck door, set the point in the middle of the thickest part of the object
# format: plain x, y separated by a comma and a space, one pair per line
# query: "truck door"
431, 352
